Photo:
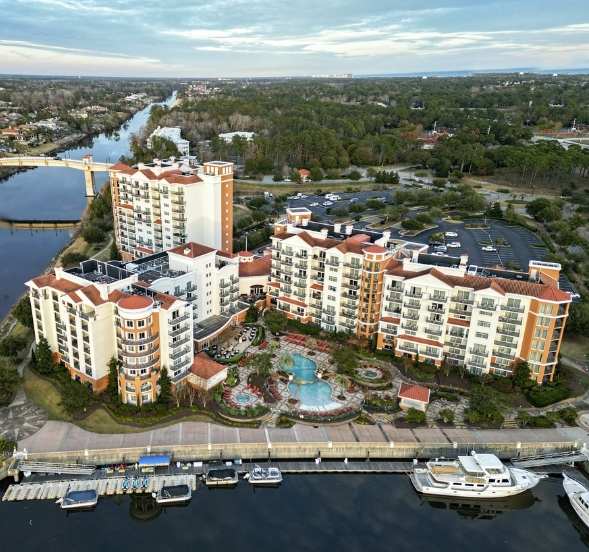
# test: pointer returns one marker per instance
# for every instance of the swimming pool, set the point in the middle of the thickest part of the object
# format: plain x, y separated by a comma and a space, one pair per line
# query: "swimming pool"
317, 393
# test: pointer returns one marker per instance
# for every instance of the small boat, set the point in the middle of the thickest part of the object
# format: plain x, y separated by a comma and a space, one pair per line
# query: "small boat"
78, 499
135, 483
144, 483
476, 476
173, 494
126, 484
221, 476
264, 476
579, 497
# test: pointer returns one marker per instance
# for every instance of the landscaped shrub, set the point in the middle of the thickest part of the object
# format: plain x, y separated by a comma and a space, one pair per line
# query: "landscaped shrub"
541, 421
504, 385
415, 416
306, 329
568, 414
447, 396
545, 395
447, 415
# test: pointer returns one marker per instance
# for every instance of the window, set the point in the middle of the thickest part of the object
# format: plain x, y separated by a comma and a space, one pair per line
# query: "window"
541, 333
128, 323
484, 324
514, 303
333, 278
331, 288
141, 323
331, 298
482, 335
130, 336
141, 335
486, 302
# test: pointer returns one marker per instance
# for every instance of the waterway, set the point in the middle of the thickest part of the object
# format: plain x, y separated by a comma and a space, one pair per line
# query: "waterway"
51, 193
312, 513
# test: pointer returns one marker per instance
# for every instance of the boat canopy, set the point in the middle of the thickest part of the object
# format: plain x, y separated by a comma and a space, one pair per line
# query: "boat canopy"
145, 461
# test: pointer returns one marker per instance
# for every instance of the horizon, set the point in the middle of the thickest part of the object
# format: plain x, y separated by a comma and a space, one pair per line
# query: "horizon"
237, 39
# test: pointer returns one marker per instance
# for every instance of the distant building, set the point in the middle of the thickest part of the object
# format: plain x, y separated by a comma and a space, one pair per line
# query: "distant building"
172, 134
228, 136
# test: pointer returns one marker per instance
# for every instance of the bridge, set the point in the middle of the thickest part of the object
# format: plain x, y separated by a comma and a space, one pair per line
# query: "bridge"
24, 224
86, 164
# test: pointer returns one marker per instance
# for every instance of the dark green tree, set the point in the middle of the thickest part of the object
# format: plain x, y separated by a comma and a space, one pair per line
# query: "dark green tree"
489, 403
165, 387
75, 397
23, 312
43, 357
275, 321
522, 374
345, 359
93, 234
354, 175
10, 346
113, 377
9, 379
316, 174
115, 255
252, 314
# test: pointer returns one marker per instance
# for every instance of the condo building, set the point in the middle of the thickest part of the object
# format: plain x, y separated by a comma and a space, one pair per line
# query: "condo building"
161, 205
435, 309
148, 313
174, 135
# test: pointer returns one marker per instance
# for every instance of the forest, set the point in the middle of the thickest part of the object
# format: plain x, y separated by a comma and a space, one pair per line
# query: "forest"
483, 124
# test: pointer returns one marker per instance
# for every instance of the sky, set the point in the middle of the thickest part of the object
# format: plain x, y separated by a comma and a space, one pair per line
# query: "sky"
241, 38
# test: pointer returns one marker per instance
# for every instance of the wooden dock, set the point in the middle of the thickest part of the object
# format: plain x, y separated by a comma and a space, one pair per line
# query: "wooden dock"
333, 467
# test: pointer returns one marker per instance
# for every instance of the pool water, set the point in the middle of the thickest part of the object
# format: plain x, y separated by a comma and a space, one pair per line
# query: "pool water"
242, 399
317, 393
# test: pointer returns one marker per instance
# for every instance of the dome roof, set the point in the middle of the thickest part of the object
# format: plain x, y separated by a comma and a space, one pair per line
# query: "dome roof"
375, 249
135, 302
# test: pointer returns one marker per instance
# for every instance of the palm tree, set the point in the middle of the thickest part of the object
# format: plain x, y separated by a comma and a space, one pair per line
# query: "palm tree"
286, 362
272, 347
311, 344
299, 382
342, 381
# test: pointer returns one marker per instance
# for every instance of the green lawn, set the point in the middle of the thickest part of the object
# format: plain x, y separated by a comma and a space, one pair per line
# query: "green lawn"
45, 395
576, 347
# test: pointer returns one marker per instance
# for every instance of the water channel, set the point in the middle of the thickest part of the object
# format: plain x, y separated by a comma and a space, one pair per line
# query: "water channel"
50, 193
312, 513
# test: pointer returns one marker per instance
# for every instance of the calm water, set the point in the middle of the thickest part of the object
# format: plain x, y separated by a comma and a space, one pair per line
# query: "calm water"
50, 193
313, 513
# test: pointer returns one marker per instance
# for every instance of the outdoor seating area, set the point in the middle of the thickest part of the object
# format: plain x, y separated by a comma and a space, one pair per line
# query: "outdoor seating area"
271, 387
262, 346
244, 359
298, 339
328, 414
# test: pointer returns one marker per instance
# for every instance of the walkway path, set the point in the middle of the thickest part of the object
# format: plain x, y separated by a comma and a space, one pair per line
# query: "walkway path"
22, 418
110, 240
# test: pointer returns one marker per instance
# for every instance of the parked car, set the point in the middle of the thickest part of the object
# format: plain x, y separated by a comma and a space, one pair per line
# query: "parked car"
488, 248
451, 235
453, 244
314, 204
327, 203
353, 200
575, 295
441, 248
303, 197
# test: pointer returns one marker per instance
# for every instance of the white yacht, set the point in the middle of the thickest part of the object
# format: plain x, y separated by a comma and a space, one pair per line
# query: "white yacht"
477, 475
264, 476
173, 494
579, 497
78, 499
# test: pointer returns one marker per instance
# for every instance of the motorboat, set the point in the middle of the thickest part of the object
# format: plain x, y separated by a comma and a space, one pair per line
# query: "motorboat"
78, 499
173, 494
264, 476
144, 483
225, 476
125, 485
135, 483
477, 475
578, 495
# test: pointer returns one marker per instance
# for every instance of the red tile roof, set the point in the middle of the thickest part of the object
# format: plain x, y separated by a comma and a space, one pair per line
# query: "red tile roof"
304, 172
175, 179
359, 238
421, 340
119, 167
257, 267
135, 302
144, 250
375, 249
554, 294
204, 367
194, 250
458, 322
293, 302
166, 300
274, 284
125, 206
318, 287
245, 254
390, 320
49, 280
414, 392
93, 295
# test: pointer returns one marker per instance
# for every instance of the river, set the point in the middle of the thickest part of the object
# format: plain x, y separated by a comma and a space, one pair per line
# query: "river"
313, 513
51, 193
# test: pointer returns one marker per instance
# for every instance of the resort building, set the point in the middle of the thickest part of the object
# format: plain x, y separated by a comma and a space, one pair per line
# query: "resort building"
152, 312
433, 309
174, 135
165, 204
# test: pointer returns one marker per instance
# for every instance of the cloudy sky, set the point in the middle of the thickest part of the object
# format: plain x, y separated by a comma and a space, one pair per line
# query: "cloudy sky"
192, 38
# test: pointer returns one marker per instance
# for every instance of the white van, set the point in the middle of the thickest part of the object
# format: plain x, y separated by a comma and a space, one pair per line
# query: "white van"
472, 270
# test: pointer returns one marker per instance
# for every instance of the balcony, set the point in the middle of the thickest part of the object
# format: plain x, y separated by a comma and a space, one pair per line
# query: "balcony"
502, 366
349, 325
350, 297
507, 332
434, 321
455, 356
398, 289
406, 348
510, 344
393, 310
511, 309
434, 309
437, 299
414, 294
328, 321
462, 301
471, 362
350, 315
410, 327
485, 306
182, 329
412, 305
332, 263
302, 256
150, 351
395, 299
431, 354
300, 284
185, 316
351, 286
178, 354
516, 321
455, 345
287, 253
479, 352
431, 331
459, 312
410, 316
145, 341
149, 364
183, 341
508, 356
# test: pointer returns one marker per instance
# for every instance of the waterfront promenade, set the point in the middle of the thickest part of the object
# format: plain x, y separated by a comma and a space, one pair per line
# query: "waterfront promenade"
67, 443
